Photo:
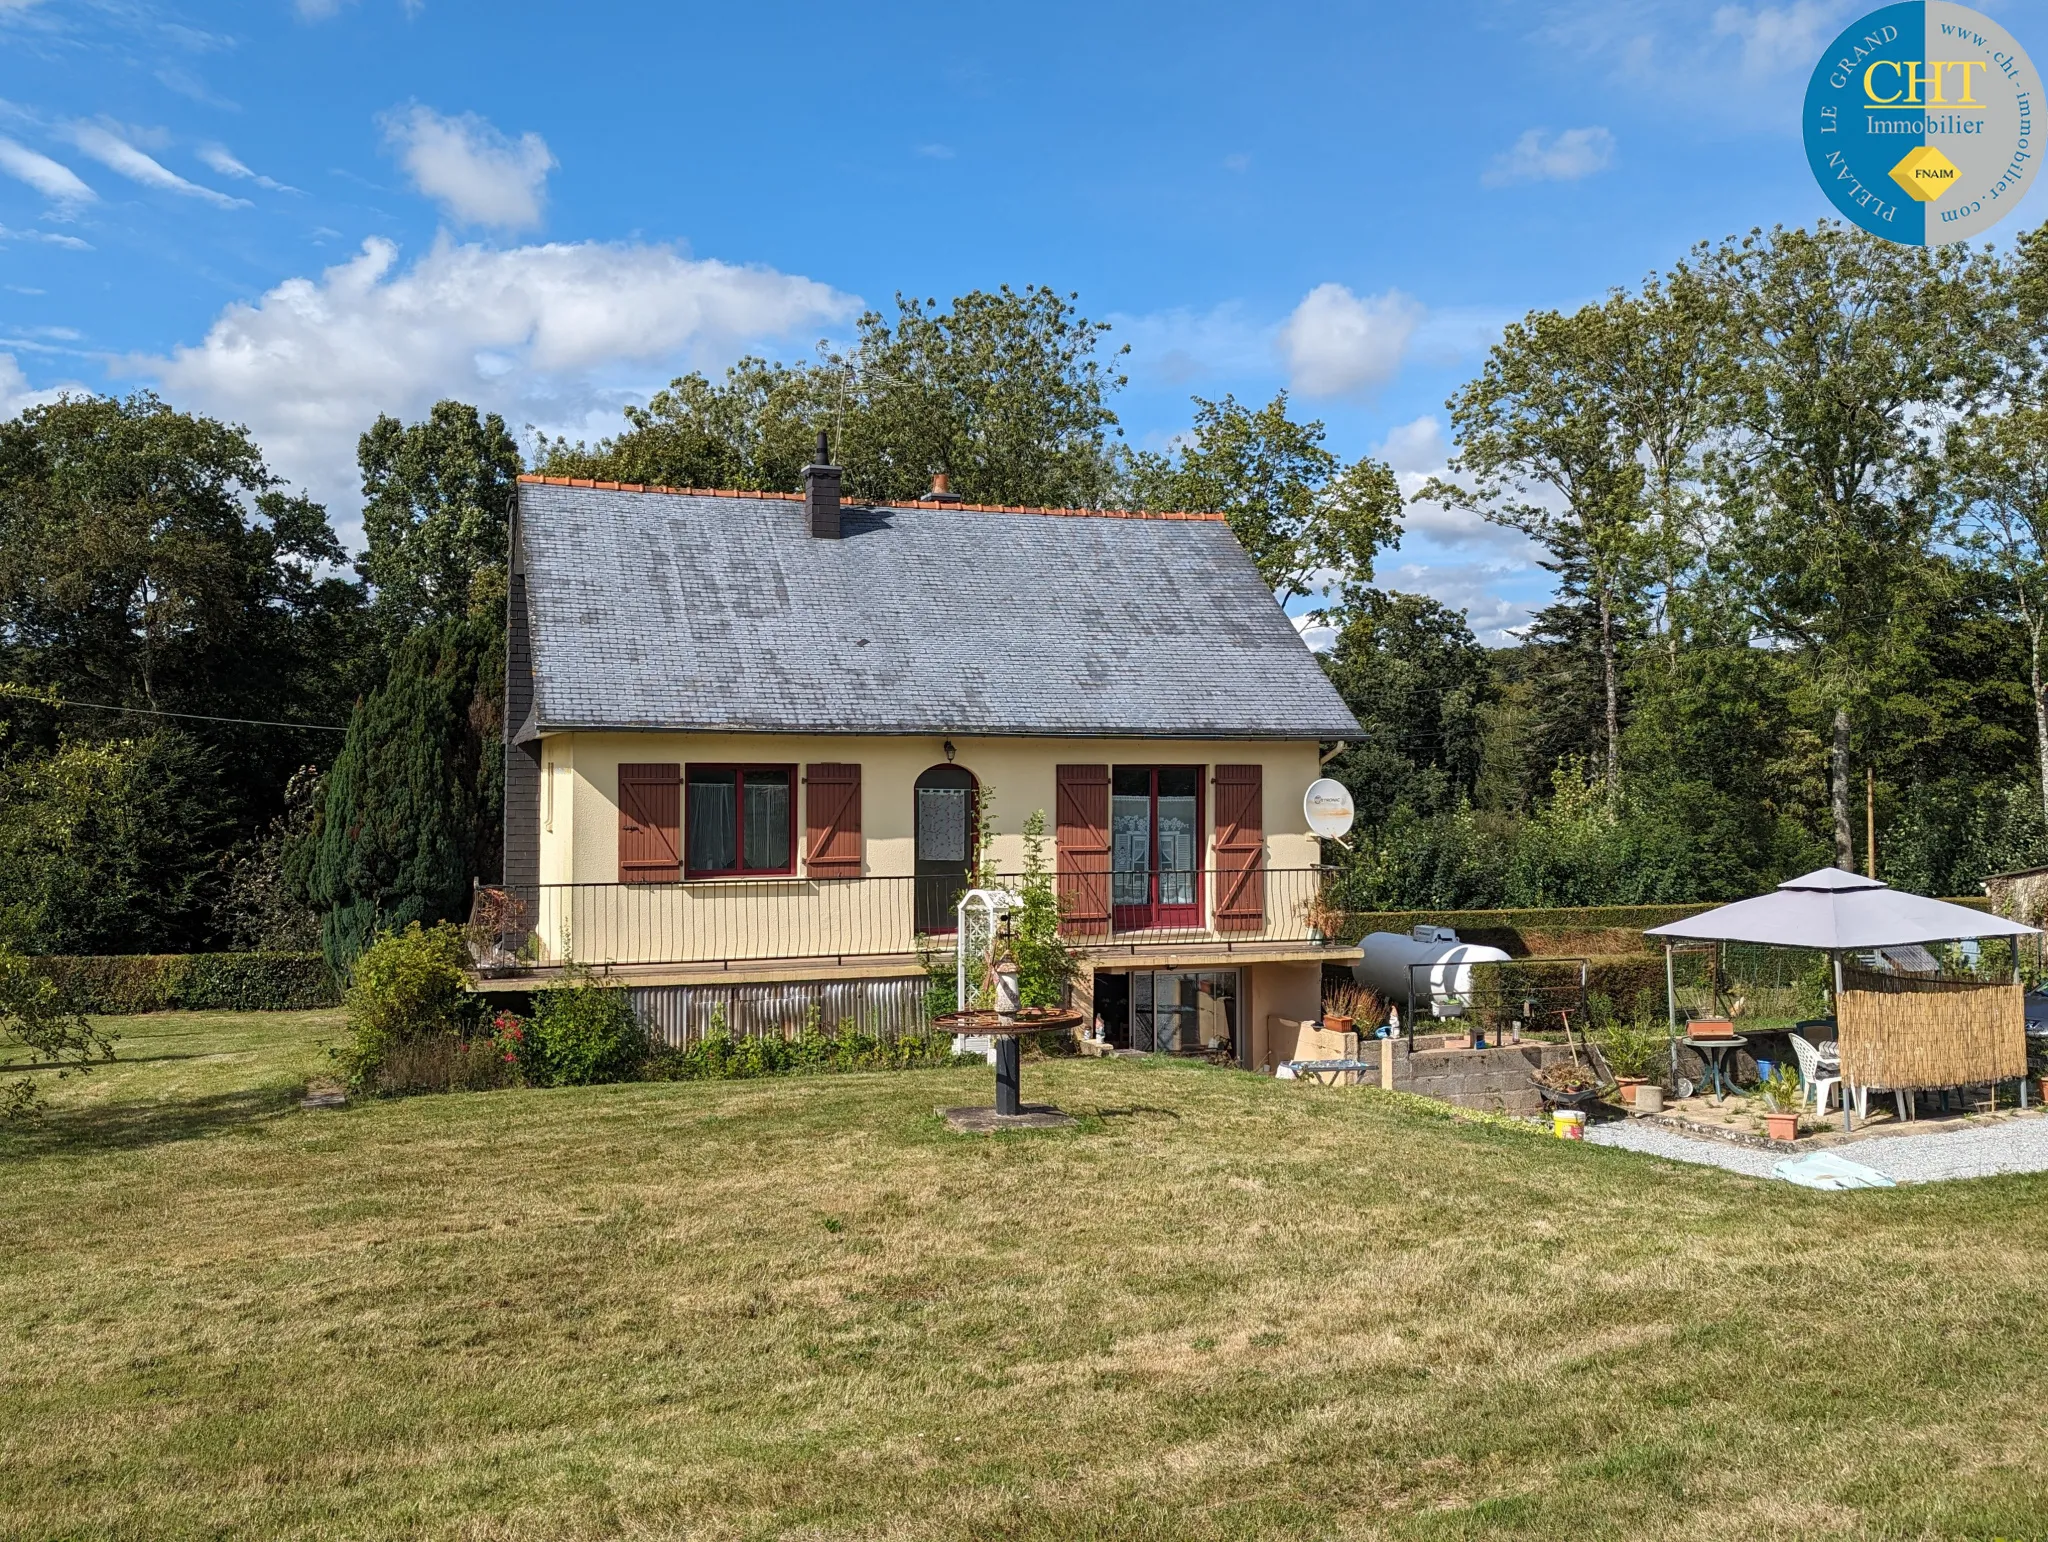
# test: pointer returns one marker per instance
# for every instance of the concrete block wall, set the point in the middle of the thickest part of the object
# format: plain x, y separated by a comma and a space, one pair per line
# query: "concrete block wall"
1493, 1080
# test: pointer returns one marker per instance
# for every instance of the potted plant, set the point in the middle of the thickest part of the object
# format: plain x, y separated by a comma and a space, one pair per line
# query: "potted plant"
1710, 1028
1783, 1098
1634, 1052
1325, 920
1341, 1006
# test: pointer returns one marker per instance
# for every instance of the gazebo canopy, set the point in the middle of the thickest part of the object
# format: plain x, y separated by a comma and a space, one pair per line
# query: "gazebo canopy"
1839, 911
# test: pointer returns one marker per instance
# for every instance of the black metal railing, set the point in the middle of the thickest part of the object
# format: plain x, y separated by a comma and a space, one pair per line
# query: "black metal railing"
762, 920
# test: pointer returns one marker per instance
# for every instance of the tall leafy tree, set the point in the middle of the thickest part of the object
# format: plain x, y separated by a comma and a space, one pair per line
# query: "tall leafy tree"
149, 559
437, 513
113, 846
1310, 522
1416, 678
1997, 480
1663, 366
752, 430
1849, 348
1543, 449
1005, 392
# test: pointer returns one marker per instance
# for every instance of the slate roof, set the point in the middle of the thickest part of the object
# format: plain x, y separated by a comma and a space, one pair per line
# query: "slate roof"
687, 611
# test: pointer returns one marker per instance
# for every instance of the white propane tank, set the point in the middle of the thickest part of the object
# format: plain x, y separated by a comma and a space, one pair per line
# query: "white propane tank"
1441, 989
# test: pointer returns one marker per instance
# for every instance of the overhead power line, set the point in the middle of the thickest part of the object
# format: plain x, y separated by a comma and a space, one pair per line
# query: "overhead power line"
196, 717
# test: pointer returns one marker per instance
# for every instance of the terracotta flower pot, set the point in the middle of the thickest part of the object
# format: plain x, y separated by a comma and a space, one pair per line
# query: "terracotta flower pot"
1337, 1022
1710, 1028
1782, 1126
1626, 1088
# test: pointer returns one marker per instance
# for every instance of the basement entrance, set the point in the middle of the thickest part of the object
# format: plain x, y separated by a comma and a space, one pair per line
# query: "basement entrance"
1170, 1011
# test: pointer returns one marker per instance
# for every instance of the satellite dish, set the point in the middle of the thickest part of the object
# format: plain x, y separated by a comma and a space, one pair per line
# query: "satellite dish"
1327, 808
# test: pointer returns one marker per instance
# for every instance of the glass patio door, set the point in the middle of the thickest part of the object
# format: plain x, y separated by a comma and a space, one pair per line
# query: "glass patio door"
1155, 819
1176, 1012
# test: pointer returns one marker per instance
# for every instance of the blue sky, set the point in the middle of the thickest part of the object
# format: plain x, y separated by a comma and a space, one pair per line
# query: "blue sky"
299, 215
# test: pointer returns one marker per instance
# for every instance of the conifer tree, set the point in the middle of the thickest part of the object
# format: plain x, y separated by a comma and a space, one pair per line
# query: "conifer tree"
414, 801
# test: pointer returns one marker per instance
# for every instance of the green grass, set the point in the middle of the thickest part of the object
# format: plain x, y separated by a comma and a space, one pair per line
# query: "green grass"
1225, 1307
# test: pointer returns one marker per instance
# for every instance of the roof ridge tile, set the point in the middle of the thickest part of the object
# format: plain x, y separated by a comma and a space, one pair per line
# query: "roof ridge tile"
538, 480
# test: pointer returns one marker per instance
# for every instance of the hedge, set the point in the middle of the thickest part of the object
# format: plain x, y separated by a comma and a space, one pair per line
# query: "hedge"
1582, 932
116, 984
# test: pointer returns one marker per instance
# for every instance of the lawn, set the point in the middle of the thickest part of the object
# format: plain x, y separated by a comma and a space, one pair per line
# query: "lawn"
1224, 1307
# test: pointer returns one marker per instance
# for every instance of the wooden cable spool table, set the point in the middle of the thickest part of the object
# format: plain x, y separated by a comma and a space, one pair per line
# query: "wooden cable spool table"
1006, 1028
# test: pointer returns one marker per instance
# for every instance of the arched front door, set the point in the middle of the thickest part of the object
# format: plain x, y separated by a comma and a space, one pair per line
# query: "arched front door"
945, 844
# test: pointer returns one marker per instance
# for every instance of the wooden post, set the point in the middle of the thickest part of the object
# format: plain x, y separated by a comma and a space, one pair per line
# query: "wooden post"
1848, 1112
1869, 822
1671, 1010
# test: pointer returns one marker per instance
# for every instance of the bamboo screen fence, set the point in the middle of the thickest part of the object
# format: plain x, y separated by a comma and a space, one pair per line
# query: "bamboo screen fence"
1902, 1032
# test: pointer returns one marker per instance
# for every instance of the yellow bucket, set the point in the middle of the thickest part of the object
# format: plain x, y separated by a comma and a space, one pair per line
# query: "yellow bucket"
1568, 1124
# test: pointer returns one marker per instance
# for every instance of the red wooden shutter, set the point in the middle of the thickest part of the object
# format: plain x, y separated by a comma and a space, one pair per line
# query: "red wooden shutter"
1081, 848
832, 821
650, 824
1240, 849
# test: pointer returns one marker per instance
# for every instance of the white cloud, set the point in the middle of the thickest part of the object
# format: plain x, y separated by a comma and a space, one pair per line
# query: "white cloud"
116, 154
1481, 590
475, 173
545, 334
1238, 161
1415, 447
1181, 347
54, 181
17, 395
1320, 636
1336, 344
1725, 61
1542, 157
47, 238
1778, 38
317, 10
223, 162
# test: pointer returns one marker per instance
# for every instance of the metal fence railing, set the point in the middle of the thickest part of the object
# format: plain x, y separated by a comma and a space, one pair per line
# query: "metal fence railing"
1500, 1000
760, 920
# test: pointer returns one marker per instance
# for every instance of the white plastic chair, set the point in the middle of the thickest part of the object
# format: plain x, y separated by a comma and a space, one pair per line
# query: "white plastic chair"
1816, 1085
1863, 1102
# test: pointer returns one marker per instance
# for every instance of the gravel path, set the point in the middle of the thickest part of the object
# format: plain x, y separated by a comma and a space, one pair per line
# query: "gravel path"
1976, 1151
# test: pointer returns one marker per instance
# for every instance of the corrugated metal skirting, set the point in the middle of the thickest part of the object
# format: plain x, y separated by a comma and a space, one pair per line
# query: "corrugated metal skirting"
678, 1015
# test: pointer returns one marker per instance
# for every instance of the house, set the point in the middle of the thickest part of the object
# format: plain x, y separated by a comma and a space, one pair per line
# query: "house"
752, 739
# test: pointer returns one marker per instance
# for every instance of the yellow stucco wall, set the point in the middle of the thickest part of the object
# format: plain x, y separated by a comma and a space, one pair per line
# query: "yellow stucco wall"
580, 783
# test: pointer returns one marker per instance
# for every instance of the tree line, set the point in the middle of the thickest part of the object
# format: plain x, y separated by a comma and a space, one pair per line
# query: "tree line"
1793, 495
1791, 492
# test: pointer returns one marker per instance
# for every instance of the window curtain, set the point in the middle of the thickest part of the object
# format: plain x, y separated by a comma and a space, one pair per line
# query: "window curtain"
766, 798
714, 822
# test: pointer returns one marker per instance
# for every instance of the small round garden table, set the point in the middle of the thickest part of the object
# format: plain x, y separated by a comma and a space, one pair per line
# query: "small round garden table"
1715, 1052
1006, 1028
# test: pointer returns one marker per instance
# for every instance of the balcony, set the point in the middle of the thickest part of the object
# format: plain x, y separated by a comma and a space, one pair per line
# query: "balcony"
789, 928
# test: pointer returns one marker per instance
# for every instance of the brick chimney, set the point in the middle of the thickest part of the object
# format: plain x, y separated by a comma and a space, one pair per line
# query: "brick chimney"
821, 493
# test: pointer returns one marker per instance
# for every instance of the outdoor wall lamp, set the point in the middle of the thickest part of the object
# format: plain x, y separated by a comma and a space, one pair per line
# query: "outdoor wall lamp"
949, 752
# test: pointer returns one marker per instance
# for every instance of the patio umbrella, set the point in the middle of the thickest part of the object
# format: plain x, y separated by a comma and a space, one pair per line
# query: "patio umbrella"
1834, 912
